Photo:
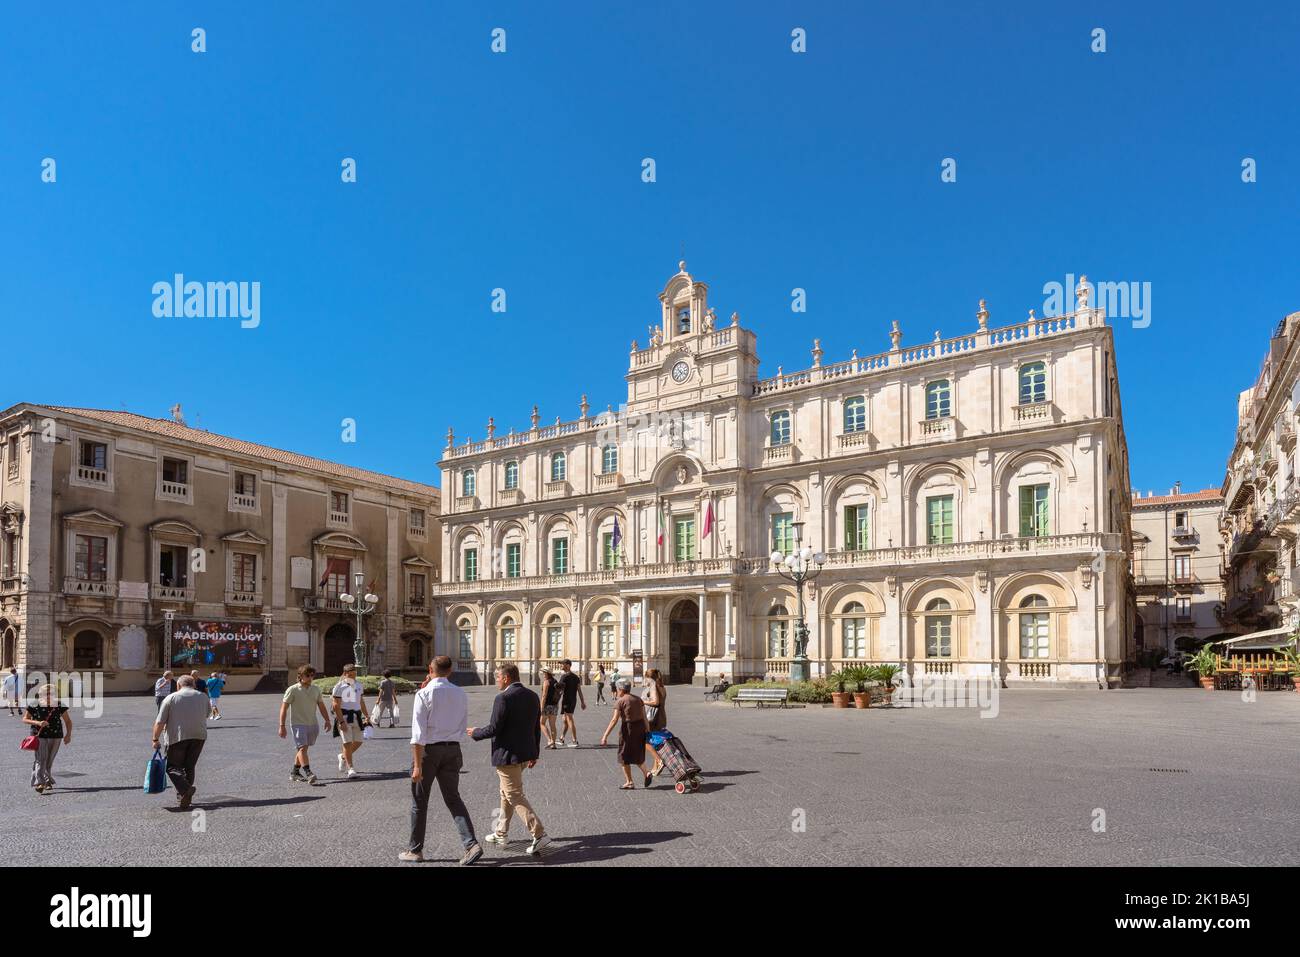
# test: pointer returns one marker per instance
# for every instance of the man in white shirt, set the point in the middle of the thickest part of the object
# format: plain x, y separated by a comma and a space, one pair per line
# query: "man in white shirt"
350, 714
437, 724
11, 692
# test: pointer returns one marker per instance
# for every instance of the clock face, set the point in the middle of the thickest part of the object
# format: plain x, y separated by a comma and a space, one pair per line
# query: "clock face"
681, 371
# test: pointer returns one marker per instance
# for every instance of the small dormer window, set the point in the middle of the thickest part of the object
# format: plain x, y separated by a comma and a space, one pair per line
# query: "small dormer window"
684, 320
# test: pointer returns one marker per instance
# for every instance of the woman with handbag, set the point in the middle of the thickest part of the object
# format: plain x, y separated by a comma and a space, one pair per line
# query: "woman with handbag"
656, 710
51, 726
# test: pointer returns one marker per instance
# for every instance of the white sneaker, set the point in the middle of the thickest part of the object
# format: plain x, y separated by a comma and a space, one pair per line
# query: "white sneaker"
573, 745
352, 772
341, 764
535, 848
497, 839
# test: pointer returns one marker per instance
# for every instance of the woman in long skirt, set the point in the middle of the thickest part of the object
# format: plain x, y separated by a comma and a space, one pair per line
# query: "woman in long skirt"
52, 726
629, 714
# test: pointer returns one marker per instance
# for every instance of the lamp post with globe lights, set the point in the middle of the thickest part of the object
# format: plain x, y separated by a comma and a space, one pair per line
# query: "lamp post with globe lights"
800, 566
360, 607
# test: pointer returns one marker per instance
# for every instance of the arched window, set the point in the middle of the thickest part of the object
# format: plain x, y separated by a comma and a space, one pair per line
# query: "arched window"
938, 399
609, 459
938, 629
855, 414
512, 475
415, 655
1033, 383
88, 650
605, 635
684, 320
780, 434
559, 467
509, 643
466, 641
1035, 627
854, 630
467, 482
554, 637
778, 632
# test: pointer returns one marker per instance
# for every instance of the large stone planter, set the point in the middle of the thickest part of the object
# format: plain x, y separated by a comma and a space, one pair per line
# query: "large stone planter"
840, 699
862, 699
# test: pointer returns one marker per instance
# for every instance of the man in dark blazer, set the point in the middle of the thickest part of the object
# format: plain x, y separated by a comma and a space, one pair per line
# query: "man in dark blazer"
516, 732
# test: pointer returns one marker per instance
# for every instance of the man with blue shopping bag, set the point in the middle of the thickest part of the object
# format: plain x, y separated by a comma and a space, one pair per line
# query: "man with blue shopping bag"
184, 715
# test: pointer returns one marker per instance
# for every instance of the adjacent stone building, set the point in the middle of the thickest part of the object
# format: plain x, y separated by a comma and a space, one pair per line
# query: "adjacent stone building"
1178, 568
970, 496
128, 541
1261, 497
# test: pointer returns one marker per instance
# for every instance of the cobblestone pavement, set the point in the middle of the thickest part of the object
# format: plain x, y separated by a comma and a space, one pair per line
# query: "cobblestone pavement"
1182, 777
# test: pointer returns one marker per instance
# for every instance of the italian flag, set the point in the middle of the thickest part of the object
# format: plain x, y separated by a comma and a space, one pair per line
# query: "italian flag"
659, 522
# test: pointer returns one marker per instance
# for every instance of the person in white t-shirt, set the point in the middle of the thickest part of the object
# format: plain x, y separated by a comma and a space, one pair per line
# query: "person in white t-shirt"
350, 716
11, 692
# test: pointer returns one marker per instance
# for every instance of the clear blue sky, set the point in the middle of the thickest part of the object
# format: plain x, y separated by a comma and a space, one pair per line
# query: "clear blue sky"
522, 171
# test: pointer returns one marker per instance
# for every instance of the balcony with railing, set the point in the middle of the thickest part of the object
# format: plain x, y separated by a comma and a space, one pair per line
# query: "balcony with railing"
241, 502
1083, 543
339, 519
324, 603
1033, 413
510, 496
854, 441
92, 476
558, 489
180, 593
937, 430
607, 481
174, 491
88, 588
241, 598
778, 454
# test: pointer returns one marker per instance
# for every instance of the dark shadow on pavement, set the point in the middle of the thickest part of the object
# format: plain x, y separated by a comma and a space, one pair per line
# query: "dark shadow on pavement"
128, 787
603, 847
724, 774
224, 801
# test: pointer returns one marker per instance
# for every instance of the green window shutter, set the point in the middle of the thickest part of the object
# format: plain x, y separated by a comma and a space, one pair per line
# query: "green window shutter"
850, 526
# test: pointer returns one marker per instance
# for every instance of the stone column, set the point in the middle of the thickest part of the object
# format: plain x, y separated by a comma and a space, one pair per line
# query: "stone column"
705, 634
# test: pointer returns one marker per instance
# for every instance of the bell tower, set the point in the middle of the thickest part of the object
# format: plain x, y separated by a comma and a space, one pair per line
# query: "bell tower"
691, 356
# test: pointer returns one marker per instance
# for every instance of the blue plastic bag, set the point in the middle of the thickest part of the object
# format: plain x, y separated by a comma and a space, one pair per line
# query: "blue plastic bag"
155, 774
657, 738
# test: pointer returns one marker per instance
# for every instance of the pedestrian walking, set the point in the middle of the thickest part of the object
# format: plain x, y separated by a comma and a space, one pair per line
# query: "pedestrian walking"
438, 719
9, 689
216, 682
570, 695
516, 736
629, 715
656, 710
184, 715
550, 704
387, 700
199, 684
300, 703
350, 718
162, 688
598, 679
52, 725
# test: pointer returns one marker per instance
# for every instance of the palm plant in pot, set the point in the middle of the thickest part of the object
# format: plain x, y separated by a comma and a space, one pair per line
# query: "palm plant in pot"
1203, 663
1292, 657
839, 697
886, 674
860, 676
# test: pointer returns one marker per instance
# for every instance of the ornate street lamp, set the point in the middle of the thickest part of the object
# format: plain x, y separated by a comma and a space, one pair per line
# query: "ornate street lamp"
360, 607
800, 566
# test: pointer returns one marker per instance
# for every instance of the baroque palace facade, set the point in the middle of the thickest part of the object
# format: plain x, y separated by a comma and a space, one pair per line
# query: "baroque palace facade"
970, 495
129, 544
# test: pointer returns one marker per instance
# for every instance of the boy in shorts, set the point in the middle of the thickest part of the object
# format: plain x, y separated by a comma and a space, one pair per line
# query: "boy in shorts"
300, 701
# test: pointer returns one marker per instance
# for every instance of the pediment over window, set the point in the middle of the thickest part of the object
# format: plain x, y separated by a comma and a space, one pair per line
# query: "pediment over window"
93, 516
418, 561
173, 526
340, 540
244, 537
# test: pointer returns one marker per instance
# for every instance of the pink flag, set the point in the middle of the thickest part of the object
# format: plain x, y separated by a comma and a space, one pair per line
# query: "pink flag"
708, 520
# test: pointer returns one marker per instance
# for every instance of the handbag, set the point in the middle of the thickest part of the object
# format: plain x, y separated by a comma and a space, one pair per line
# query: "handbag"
155, 774
374, 714
30, 743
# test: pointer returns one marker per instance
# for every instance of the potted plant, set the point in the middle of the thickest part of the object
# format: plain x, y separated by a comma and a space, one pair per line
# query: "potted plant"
1204, 663
839, 697
1292, 658
859, 676
886, 674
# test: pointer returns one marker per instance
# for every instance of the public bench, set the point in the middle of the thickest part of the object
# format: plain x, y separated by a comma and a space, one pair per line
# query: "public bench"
761, 696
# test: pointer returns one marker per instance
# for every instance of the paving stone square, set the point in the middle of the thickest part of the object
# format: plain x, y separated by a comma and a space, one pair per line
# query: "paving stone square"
1182, 776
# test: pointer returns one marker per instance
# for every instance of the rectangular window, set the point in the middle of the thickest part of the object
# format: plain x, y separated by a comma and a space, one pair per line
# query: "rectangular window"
173, 566
1034, 511
855, 414
560, 556
471, 564
339, 503
513, 566
417, 520
938, 520
512, 475
244, 572
245, 484
938, 400
684, 539
13, 456
466, 645
1182, 568
508, 641
857, 531
555, 641
605, 641
1184, 608
94, 455
1033, 635
417, 590
337, 571
608, 552
780, 434
938, 636
92, 558
175, 472
783, 532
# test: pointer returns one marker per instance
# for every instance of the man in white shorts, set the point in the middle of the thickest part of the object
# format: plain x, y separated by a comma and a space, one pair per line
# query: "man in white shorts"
300, 703
350, 716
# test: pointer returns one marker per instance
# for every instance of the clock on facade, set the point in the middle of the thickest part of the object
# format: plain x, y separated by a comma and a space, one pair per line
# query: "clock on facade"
681, 371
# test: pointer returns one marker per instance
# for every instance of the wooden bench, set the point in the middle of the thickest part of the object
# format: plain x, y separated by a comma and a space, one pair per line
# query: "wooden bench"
761, 696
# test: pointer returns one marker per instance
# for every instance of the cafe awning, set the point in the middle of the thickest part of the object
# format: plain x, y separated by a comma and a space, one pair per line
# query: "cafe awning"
1268, 638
